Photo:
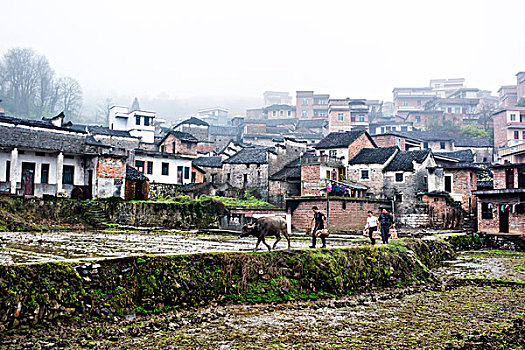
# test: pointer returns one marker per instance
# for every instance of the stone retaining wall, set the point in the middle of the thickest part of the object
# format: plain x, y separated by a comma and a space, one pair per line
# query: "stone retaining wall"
42, 293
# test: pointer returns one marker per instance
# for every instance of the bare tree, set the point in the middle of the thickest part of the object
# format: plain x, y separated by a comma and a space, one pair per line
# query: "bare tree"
102, 113
69, 96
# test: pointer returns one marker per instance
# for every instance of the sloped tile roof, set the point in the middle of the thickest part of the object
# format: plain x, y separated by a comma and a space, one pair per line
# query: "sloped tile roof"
473, 142
252, 155
210, 162
427, 135
44, 140
464, 156
403, 160
311, 123
374, 155
339, 139
181, 135
193, 120
291, 171
134, 175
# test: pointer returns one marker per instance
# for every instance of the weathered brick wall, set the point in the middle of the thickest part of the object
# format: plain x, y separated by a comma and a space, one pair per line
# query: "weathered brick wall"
389, 141
344, 215
181, 147
500, 132
199, 131
375, 182
516, 221
310, 179
464, 181
111, 168
256, 177
204, 147
362, 142
441, 213
199, 177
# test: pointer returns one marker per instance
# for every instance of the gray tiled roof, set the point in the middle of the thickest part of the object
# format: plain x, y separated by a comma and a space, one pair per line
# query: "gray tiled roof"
311, 123
427, 135
34, 123
403, 160
184, 136
252, 155
211, 162
473, 142
43, 140
291, 171
134, 175
339, 139
373, 155
464, 156
193, 120
223, 130
103, 130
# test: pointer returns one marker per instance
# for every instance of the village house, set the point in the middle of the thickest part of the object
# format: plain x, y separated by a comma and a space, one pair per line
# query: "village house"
214, 116
212, 167
40, 158
383, 127
163, 167
285, 183
502, 208
344, 145
178, 142
509, 134
347, 114
137, 123
508, 96
310, 105
220, 136
247, 171
481, 148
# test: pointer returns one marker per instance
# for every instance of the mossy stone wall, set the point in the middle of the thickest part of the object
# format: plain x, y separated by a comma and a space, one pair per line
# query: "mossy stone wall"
41, 293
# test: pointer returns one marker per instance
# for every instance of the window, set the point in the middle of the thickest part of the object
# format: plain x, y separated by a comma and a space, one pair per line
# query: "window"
228, 177
388, 128
149, 170
165, 168
163, 149
188, 146
486, 211
523, 135
405, 103
361, 118
8, 171
146, 121
281, 113
186, 172
304, 114
194, 177
382, 130
425, 145
404, 128
365, 175
44, 174
399, 177
180, 170
332, 153
274, 113
398, 198
418, 119
352, 118
40, 154
322, 114
305, 102
398, 142
457, 110
442, 145
449, 110
139, 165
69, 173
245, 180
516, 135
137, 120
513, 117
340, 117
289, 113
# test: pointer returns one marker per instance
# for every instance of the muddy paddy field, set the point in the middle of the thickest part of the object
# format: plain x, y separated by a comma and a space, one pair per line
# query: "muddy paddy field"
476, 301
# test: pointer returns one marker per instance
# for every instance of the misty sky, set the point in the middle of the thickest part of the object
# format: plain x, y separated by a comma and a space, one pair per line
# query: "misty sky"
358, 49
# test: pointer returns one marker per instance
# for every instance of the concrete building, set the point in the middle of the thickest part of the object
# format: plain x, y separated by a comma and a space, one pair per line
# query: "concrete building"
310, 105
443, 87
347, 114
411, 99
164, 168
508, 96
277, 98
520, 87
509, 133
137, 123
214, 116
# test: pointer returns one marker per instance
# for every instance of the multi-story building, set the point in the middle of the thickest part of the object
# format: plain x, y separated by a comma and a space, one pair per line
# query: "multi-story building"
214, 116
137, 123
347, 114
509, 134
310, 105
411, 99
508, 96
277, 98
443, 87
520, 88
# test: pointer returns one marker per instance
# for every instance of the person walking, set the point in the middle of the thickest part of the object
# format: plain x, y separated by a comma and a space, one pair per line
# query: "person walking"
386, 220
371, 226
317, 224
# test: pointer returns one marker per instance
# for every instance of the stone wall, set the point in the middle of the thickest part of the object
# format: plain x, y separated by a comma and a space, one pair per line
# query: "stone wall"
41, 293
161, 190
186, 215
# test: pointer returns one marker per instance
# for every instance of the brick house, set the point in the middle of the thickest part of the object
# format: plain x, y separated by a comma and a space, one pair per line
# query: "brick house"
179, 142
367, 168
310, 105
285, 183
344, 145
212, 167
403, 141
509, 134
347, 114
502, 209
194, 126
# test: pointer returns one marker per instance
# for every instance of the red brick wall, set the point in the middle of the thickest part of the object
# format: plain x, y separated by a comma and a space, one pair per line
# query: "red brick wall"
181, 147
492, 226
204, 147
464, 181
199, 177
441, 214
362, 142
500, 133
389, 141
349, 219
310, 179
111, 168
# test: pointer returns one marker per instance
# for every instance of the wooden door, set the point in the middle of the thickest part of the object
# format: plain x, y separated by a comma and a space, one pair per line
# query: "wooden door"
28, 179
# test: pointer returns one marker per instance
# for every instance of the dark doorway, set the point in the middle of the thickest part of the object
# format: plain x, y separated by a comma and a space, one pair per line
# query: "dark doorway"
448, 183
509, 178
28, 179
521, 177
90, 184
138, 190
503, 219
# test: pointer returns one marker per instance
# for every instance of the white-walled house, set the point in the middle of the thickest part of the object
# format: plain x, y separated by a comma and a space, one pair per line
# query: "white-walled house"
164, 168
138, 123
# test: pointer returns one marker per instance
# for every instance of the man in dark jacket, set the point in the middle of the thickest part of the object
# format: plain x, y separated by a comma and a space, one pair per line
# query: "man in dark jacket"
386, 220
318, 224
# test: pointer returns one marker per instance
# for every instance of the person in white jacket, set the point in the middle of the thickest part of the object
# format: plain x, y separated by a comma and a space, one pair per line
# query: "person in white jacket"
371, 226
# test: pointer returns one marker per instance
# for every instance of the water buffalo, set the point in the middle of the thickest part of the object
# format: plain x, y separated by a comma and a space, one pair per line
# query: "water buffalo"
267, 226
